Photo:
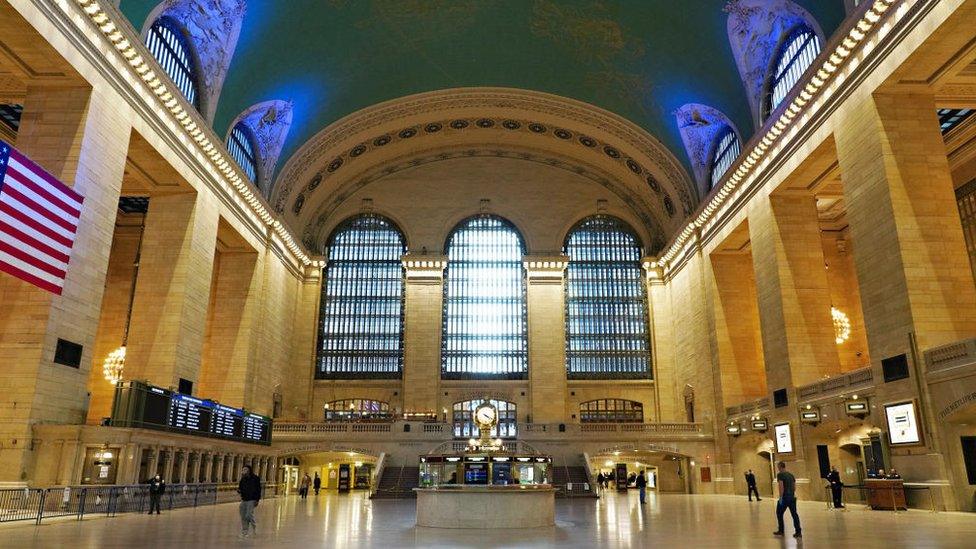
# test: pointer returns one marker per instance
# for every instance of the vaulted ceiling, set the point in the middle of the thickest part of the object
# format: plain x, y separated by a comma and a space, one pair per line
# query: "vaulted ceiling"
640, 59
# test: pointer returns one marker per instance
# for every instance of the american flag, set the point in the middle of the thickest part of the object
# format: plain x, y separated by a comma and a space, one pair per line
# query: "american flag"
38, 221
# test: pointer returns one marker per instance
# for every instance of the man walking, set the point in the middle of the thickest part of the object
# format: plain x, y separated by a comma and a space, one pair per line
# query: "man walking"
751, 484
641, 484
787, 500
250, 490
317, 484
157, 486
836, 487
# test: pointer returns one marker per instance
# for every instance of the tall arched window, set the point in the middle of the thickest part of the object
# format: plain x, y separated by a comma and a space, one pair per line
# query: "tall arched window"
611, 410
795, 55
241, 147
727, 149
361, 311
465, 427
484, 332
171, 49
606, 307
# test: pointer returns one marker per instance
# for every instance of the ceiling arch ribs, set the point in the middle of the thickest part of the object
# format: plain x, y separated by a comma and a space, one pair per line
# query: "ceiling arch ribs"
484, 119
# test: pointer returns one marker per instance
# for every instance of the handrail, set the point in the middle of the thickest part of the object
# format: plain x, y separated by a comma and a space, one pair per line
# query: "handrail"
37, 504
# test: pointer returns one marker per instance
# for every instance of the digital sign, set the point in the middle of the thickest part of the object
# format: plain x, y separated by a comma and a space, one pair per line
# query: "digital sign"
139, 404
902, 423
784, 439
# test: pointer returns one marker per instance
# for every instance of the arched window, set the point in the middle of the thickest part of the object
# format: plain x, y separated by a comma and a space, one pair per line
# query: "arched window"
484, 331
794, 57
355, 409
611, 410
241, 147
606, 307
361, 311
169, 46
726, 150
465, 427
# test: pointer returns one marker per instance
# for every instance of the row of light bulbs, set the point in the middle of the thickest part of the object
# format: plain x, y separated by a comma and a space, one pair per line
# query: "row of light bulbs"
759, 152
220, 163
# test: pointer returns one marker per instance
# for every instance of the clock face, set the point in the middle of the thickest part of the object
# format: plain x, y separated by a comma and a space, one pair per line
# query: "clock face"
485, 415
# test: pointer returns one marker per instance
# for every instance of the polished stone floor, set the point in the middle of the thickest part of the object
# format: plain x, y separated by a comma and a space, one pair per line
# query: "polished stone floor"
667, 520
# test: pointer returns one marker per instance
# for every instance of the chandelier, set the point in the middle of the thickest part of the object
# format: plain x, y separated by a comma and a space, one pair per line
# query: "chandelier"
114, 363
842, 325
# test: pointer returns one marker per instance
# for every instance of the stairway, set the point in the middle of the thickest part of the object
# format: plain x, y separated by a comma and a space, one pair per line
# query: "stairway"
397, 482
571, 482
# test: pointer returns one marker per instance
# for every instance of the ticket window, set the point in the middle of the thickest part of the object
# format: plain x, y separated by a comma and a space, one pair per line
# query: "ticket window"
101, 466
476, 473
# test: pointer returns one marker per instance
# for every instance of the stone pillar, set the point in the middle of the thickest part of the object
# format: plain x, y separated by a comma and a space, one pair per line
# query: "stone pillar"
218, 471
169, 311
909, 252
666, 401
296, 394
153, 466
128, 469
423, 309
203, 470
228, 361
184, 466
737, 336
792, 291
82, 139
168, 464
545, 302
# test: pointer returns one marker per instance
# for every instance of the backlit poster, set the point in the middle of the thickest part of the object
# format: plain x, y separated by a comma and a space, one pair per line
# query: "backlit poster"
902, 423
784, 439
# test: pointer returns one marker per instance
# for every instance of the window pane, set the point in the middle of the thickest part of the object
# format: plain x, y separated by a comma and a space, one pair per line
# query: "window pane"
950, 118
726, 152
606, 309
361, 311
484, 331
797, 54
167, 44
611, 410
239, 146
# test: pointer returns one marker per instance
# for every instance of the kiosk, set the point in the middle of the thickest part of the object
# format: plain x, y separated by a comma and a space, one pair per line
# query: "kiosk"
485, 486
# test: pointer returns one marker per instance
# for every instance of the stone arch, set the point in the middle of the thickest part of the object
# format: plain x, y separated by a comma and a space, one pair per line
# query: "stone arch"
268, 122
756, 28
213, 27
700, 126
364, 146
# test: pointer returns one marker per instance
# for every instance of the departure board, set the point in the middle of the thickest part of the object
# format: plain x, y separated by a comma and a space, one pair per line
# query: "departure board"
226, 421
190, 414
138, 404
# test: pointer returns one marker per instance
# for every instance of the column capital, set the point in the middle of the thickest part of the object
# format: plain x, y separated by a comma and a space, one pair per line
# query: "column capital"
653, 270
424, 269
545, 269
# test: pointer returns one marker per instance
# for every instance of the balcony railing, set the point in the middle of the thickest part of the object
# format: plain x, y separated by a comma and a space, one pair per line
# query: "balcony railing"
953, 355
405, 430
856, 379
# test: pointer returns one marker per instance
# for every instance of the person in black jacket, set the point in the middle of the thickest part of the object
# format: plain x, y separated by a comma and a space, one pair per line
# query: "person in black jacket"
317, 484
250, 490
641, 484
836, 487
751, 484
157, 486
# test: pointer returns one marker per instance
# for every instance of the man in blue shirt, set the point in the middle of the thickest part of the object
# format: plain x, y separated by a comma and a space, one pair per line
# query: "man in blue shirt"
787, 500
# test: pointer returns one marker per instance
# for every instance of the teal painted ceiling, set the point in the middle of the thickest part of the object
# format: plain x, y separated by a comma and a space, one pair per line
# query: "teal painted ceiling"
641, 59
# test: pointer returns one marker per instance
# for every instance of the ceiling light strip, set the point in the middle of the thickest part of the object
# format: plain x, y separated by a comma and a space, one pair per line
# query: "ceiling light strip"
747, 170
134, 52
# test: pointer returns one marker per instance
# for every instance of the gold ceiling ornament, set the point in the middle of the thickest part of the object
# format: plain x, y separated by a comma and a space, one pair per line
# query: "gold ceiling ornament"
842, 325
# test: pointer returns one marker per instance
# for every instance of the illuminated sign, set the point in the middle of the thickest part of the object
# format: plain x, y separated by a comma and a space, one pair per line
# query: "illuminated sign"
810, 416
784, 439
759, 425
856, 407
733, 429
902, 423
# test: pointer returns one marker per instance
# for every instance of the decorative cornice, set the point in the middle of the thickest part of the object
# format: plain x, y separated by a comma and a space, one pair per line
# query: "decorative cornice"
806, 99
424, 268
545, 269
154, 87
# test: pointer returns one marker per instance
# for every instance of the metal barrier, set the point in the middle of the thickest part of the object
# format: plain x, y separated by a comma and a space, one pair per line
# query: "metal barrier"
861, 488
77, 501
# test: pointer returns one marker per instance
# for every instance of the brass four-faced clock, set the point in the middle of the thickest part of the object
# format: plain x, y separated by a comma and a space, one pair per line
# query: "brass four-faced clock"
485, 416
